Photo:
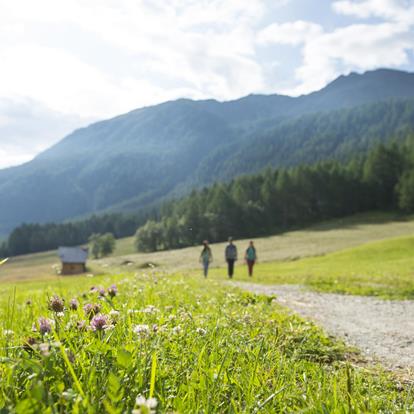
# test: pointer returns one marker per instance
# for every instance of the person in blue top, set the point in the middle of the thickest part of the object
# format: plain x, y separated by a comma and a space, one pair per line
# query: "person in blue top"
231, 256
206, 257
250, 257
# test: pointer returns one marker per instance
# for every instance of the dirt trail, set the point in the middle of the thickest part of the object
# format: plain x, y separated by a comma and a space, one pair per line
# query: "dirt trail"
382, 329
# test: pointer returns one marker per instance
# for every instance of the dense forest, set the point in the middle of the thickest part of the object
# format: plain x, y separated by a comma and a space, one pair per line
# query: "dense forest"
279, 199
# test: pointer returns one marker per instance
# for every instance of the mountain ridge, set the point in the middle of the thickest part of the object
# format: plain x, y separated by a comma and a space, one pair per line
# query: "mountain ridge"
169, 148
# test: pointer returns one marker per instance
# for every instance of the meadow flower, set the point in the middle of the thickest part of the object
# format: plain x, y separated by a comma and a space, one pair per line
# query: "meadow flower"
141, 330
201, 331
73, 304
145, 406
99, 322
91, 309
8, 332
81, 325
44, 349
131, 311
150, 309
114, 315
176, 330
56, 304
29, 343
45, 325
112, 291
101, 291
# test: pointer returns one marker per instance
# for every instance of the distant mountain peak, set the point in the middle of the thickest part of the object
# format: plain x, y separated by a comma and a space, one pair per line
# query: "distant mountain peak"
143, 156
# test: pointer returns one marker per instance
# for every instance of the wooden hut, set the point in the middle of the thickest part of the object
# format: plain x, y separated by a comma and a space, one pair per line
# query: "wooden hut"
73, 260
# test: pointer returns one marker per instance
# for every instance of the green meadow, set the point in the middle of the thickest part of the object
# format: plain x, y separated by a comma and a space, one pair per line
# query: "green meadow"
146, 333
384, 268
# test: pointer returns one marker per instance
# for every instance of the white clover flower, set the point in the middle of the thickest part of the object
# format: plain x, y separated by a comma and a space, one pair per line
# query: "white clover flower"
8, 332
114, 314
60, 314
141, 330
130, 311
145, 405
44, 348
201, 331
176, 330
150, 309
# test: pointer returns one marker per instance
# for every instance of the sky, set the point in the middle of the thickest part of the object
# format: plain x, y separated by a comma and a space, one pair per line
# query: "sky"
67, 63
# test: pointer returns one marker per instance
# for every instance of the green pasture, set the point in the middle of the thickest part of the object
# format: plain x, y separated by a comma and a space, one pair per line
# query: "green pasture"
383, 268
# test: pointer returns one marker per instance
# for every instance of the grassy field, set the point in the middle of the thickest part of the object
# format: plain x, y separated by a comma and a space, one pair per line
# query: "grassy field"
294, 257
171, 338
316, 240
182, 344
383, 268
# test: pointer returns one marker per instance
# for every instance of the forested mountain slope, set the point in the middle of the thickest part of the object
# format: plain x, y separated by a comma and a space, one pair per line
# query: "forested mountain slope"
141, 157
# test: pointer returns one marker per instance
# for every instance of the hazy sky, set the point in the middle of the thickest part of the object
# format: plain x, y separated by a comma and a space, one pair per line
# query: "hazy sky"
64, 63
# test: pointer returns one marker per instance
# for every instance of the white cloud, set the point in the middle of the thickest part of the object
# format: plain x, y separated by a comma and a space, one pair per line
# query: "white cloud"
28, 127
103, 57
396, 10
355, 47
325, 55
155, 37
291, 33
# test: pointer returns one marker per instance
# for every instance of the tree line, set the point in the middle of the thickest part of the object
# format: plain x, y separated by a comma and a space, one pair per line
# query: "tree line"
32, 238
280, 199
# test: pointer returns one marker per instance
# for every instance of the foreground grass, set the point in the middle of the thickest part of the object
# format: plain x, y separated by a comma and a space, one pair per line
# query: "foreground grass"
191, 344
384, 269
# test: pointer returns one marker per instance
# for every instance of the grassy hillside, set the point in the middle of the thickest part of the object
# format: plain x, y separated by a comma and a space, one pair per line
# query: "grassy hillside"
383, 268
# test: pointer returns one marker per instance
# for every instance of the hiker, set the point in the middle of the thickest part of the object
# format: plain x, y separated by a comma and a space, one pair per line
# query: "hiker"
231, 257
206, 257
250, 256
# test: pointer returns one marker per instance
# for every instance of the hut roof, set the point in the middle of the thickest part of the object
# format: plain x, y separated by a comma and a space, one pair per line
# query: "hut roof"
73, 254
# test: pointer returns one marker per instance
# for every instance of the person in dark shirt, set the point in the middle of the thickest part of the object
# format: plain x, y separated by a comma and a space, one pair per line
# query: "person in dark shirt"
230, 256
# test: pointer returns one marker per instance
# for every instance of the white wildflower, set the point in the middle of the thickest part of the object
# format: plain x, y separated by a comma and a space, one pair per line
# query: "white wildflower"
141, 330
201, 331
150, 309
130, 311
114, 314
44, 349
8, 332
144, 405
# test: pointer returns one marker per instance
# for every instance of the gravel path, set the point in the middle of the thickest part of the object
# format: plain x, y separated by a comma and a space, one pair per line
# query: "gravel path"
382, 329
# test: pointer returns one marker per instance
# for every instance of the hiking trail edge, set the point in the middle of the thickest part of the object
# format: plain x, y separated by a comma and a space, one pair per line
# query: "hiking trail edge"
382, 329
